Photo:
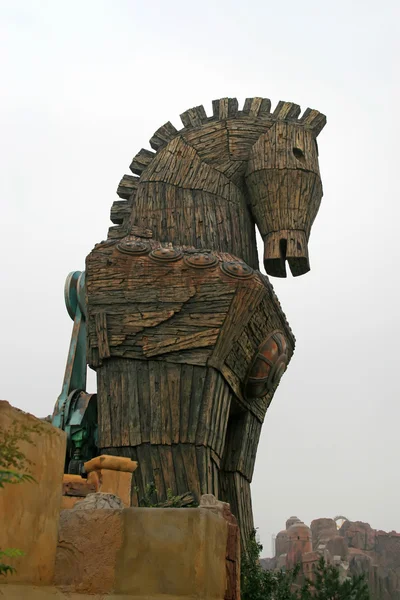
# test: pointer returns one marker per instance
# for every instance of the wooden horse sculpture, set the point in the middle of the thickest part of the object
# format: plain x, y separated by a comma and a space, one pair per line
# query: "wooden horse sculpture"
187, 337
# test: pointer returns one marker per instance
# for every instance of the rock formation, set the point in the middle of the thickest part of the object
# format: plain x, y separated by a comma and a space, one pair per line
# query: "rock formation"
355, 548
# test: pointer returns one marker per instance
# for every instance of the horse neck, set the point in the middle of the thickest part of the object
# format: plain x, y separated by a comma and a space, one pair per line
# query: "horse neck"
188, 201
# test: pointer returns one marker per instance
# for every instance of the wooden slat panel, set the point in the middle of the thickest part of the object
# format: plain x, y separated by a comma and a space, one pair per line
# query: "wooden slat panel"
143, 384
185, 400
166, 424
196, 400
133, 424
145, 468
188, 453
102, 336
158, 477
174, 381
179, 469
202, 462
155, 403
168, 469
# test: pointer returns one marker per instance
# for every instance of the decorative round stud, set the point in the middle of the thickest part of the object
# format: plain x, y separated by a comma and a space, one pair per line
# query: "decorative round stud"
268, 366
165, 254
237, 269
201, 260
133, 247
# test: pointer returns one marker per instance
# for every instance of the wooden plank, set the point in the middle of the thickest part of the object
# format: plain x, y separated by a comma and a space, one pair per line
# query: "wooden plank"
102, 336
202, 339
174, 381
188, 453
155, 403
224, 404
121, 435
133, 417
185, 400
168, 470
203, 423
116, 407
136, 490
157, 473
166, 420
103, 409
202, 467
143, 386
196, 402
182, 485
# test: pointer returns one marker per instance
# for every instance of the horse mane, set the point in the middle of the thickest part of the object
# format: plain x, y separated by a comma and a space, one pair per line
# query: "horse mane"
222, 140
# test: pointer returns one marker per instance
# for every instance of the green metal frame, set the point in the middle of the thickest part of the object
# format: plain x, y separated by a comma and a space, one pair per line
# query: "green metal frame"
76, 411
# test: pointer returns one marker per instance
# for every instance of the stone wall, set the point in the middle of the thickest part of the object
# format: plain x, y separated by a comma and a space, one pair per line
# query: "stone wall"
29, 511
149, 553
99, 547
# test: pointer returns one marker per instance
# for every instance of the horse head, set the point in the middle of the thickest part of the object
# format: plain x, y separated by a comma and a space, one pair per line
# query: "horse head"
206, 185
284, 187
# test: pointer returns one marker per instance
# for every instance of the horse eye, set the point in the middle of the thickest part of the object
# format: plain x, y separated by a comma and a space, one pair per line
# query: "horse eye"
299, 154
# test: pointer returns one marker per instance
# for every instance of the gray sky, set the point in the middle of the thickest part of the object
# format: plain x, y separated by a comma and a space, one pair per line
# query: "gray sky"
84, 86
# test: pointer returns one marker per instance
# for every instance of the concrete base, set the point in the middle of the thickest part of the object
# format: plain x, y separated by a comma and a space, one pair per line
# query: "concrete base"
105, 550
143, 553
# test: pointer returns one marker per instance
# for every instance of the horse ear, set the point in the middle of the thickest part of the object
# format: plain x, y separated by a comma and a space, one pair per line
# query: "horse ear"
286, 110
314, 120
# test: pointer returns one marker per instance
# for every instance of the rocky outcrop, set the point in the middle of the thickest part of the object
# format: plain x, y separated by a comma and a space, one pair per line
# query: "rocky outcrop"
99, 500
359, 535
322, 531
356, 548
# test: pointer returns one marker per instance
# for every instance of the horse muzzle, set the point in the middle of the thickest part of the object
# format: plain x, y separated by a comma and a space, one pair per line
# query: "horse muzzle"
289, 245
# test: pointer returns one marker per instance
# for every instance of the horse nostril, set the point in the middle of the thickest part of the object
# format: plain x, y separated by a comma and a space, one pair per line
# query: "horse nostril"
283, 248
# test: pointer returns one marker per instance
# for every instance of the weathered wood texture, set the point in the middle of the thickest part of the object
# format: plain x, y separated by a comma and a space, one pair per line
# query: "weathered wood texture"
155, 402
174, 311
171, 417
182, 328
179, 423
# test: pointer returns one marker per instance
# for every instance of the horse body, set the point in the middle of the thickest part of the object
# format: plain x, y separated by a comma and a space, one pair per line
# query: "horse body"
187, 337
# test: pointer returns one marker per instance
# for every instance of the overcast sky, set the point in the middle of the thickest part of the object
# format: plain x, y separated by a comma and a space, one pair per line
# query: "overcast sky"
84, 86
